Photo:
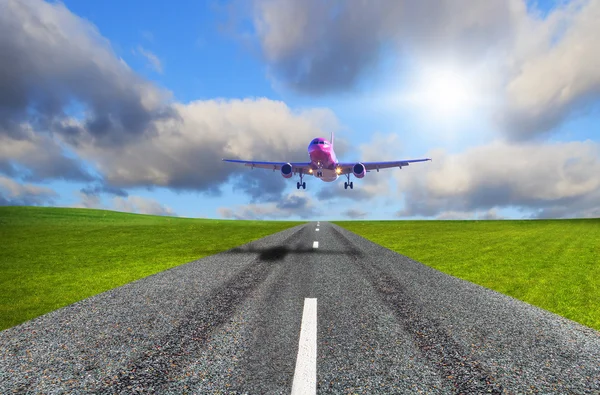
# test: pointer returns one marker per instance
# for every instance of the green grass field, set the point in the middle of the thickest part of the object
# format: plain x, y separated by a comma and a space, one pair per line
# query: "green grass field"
52, 257
553, 264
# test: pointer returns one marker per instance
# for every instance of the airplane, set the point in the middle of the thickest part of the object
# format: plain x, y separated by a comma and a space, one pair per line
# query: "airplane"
324, 165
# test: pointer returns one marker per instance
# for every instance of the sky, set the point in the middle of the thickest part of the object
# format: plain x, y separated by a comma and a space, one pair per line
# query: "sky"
131, 106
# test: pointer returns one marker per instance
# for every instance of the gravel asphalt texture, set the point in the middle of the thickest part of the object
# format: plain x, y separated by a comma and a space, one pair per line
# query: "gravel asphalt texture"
229, 323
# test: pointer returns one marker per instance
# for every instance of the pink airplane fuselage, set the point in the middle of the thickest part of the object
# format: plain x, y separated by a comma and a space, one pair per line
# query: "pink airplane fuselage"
323, 160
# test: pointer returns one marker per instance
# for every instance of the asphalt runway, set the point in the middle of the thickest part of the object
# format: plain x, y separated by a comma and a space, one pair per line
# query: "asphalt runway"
372, 321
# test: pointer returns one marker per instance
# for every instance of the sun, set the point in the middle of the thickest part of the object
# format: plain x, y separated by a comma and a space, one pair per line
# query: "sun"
442, 93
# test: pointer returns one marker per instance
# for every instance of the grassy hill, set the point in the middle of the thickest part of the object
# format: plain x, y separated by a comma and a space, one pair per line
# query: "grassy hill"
52, 257
553, 264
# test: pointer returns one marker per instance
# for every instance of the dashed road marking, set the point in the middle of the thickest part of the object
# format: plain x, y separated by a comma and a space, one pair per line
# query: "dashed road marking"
317, 229
305, 375
316, 244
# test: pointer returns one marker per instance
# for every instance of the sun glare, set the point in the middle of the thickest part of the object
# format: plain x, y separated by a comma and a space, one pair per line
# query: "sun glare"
443, 93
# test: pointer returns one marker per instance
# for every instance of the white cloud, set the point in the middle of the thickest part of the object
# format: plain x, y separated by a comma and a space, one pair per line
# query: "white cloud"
141, 205
544, 68
559, 78
152, 59
465, 215
37, 157
13, 193
117, 104
355, 213
127, 129
562, 177
130, 204
87, 200
186, 152
293, 204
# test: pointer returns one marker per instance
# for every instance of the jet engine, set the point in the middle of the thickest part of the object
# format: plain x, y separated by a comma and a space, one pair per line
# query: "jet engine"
286, 170
359, 170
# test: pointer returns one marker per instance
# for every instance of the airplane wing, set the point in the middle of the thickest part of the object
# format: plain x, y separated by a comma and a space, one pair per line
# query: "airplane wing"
297, 167
347, 167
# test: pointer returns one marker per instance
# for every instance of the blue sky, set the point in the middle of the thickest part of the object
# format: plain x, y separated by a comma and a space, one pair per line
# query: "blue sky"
496, 96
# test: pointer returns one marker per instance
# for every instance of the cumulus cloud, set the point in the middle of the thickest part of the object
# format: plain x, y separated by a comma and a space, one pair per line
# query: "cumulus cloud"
186, 153
130, 204
490, 214
561, 79
89, 200
13, 193
59, 62
588, 208
66, 99
318, 47
37, 157
293, 204
141, 205
355, 213
543, 68
55, 64
96, 190
557, 179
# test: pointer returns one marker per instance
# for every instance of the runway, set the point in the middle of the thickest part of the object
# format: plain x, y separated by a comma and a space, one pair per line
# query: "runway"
232, 323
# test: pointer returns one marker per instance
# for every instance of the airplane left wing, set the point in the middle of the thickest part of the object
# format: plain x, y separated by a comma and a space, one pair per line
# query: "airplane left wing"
297, 167
347, 167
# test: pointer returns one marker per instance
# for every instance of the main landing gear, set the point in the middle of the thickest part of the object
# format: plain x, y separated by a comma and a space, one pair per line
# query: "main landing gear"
300, 183
348, 183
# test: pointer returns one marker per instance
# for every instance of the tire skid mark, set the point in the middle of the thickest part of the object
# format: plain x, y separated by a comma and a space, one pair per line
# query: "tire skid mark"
466, 374
155, 367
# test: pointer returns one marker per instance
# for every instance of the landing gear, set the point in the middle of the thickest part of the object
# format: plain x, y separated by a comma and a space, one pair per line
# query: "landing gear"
348, 183
300, 183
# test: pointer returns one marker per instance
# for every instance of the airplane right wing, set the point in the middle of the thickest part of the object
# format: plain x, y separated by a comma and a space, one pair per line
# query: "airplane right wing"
347, 167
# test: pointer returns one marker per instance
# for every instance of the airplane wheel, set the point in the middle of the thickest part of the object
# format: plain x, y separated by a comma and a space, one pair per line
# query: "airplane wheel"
303, 185
345, 185
297, 185
351, 185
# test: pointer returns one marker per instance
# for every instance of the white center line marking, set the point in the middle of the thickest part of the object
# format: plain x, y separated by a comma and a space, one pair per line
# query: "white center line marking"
305, 376
317, 229
316, 244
